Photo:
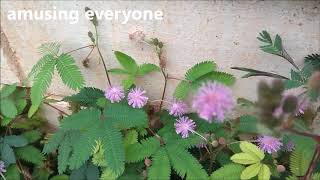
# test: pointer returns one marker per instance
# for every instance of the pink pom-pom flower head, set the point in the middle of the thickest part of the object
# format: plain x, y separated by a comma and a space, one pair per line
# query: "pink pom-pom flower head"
178, 108
137, 98
269, 144
184, 125
212, 101
114, 93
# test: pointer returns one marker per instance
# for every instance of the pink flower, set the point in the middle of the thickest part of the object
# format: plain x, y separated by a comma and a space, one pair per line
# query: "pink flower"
114, 93
289, 146
137, 98
213, 100
178, 108
184, 125
269, 144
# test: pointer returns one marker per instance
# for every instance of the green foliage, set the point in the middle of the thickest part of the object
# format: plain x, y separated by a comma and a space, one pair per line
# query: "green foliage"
139, 151
299, 161
13, 172
228, 172
32, 136
272, 47
131, 69
30, 154
87, 96
69, 72
43, 71
251, 155
160, 168
185, 164
199, 74
85, 172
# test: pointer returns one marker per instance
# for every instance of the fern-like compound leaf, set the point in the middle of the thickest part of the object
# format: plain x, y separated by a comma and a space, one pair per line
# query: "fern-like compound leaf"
69, 72
87, 96
139, 151
40, 84
160, 168
37, 67
114, 148
64, 152
185, 164
53, 142
51, 48
200, 69
124, 116
228, 172
299, 161
30, 154
182, 90
147, 68
82, 120
221, 77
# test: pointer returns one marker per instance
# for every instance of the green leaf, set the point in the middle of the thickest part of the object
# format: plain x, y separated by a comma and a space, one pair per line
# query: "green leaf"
147, 68
200, 69
300, 159
128, 82
38, 66
182, 90
60, 177
40, 85
7, 90
40, 174
51, 48
81, 120
278, 42
114, 152
138, 151
125, 117
130, 137
13, 172
185, 164
251, 171
32, 136
8, 108
228, 172
15, 141
264, 173
7, 154
251, 149
69, 72
53, 142
245, 158
127, 62
289, 84
64, 152
30, 154
160, 168
118, 71
87, 96
221, 77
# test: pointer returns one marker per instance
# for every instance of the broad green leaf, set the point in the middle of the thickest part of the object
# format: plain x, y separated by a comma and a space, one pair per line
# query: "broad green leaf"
147, 68
15, 141
60, 177
251, 171
245, 158
5, 121
128, 82
30, 154
252, 149
32, 136
8, 108
127, 62
118, 71
264, 173
7, 155
13, 172
7, 90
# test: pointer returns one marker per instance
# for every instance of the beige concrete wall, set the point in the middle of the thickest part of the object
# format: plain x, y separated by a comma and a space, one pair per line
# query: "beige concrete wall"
224, 31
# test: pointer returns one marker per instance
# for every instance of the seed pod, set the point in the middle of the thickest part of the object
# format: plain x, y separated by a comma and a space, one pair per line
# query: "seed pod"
290, 104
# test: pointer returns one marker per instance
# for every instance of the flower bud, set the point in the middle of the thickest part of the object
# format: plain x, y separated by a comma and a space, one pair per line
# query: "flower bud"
281, 168
214, 143
222, 141
147, 162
